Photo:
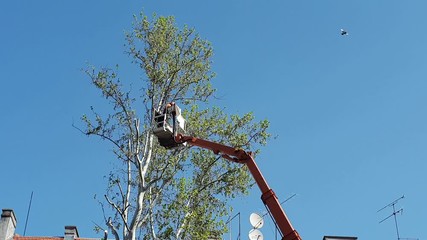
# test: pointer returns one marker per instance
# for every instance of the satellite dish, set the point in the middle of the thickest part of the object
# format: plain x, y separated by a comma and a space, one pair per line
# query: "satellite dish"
255, 234
256, 220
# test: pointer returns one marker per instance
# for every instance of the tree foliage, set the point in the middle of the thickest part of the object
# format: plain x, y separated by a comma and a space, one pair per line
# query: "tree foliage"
169, 194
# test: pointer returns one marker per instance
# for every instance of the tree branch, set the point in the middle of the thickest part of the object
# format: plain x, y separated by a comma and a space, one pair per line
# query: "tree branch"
113, 229
118, 210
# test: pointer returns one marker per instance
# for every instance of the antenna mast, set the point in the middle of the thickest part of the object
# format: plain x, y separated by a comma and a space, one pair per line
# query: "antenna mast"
229, 222
28, 212
395, 212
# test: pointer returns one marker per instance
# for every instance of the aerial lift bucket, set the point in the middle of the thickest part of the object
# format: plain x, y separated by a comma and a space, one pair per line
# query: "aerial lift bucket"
167, 125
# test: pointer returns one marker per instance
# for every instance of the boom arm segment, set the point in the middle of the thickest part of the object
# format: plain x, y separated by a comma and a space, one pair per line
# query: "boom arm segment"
170, 137
268, 197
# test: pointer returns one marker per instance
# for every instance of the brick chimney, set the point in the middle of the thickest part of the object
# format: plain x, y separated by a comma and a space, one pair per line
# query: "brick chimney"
71, 233
7, 224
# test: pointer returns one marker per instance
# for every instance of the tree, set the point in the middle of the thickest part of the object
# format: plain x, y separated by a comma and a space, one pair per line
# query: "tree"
169, 194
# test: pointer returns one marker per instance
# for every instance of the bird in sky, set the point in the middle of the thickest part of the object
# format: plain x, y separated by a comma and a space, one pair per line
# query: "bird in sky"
344, 32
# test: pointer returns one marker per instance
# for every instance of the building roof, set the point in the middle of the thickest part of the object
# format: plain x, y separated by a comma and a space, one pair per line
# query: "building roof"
18, 237
8, 227
338, 238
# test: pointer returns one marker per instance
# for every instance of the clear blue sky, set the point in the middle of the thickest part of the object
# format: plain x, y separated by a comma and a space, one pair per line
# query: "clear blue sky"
349, 112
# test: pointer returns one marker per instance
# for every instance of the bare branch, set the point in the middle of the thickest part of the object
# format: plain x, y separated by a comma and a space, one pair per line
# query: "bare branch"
118, 210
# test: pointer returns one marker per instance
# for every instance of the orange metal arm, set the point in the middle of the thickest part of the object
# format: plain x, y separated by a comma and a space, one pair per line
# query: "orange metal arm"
268, 197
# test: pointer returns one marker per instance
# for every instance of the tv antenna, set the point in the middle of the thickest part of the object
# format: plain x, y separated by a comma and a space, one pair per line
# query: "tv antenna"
229, 222
394, 215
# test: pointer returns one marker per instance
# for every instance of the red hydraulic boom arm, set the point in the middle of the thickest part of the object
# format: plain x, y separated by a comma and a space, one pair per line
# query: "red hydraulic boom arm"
268, 197
170, 138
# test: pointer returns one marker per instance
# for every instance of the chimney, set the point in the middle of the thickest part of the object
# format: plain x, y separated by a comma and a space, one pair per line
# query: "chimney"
71, 233
7, 224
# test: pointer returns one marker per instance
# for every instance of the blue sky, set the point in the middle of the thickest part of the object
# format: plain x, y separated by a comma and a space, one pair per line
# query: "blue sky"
349, 112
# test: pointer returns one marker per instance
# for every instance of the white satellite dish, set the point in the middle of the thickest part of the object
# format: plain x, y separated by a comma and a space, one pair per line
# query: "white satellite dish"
255, 234
256, 220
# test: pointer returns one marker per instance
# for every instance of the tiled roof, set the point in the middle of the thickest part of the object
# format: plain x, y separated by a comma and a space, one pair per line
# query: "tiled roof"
36, 238
17, 237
